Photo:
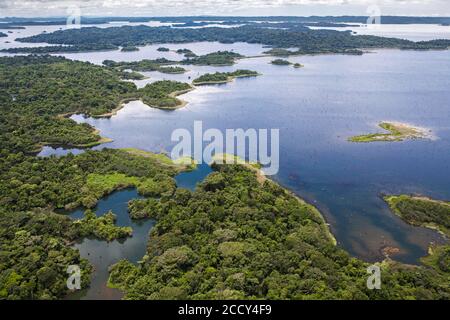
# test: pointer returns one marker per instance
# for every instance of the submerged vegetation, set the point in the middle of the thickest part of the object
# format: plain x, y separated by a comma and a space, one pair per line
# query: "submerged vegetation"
223, 77
398, 132
421, 211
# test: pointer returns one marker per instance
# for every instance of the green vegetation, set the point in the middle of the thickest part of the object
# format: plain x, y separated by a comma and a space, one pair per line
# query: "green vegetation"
3, 34
163, 49
160, 65
421, 211
235, 237
280, 52
35, 241
223, 77
298, 65
398, 132
306, 40
219, 58
187, 53
102, 227
172, 70
35, 254
129, 49
62, 49
36, 90
280, 62
143, 65
438, 258
162, 94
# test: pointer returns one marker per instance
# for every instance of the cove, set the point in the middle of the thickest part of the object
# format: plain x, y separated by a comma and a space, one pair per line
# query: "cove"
102, 254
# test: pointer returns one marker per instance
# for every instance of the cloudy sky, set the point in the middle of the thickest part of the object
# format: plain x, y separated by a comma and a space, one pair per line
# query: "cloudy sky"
223, 7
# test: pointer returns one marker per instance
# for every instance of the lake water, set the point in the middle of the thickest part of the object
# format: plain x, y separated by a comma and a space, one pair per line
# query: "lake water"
413, 32
316, 109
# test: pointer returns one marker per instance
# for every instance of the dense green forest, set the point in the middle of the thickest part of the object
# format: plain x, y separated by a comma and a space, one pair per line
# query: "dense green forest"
162, 94
36, 90
62, 49
162, 65
236, 238
35, 240
221, 77
16, 22
420, 211
219, 58
280, 62
187, 53
129, 49
305, 40
233, 237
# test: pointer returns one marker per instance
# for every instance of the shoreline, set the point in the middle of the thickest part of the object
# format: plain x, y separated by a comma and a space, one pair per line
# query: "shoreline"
230, 79
396, 132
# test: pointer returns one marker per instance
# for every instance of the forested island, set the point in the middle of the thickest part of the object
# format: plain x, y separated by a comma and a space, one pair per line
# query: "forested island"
3, 34
37, 93
306, 41
280, 62
219, 58
397, 132
62, 49
129, 49
235, 236
422, 211
163, 49
162, 65
223, 77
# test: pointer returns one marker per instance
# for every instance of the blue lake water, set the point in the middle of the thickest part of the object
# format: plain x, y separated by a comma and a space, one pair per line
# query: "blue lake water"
316, 109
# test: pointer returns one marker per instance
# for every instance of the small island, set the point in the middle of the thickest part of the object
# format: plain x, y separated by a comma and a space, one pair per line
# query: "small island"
3, 34
163, 94
280, 62
397, 132
219, 58
129, 49
422, 211
163, 49
223, 77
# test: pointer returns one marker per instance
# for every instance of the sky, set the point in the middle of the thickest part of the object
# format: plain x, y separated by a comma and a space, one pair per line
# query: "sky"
41, 8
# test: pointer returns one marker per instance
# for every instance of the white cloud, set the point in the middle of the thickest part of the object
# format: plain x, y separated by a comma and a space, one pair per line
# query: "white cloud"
217, 7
